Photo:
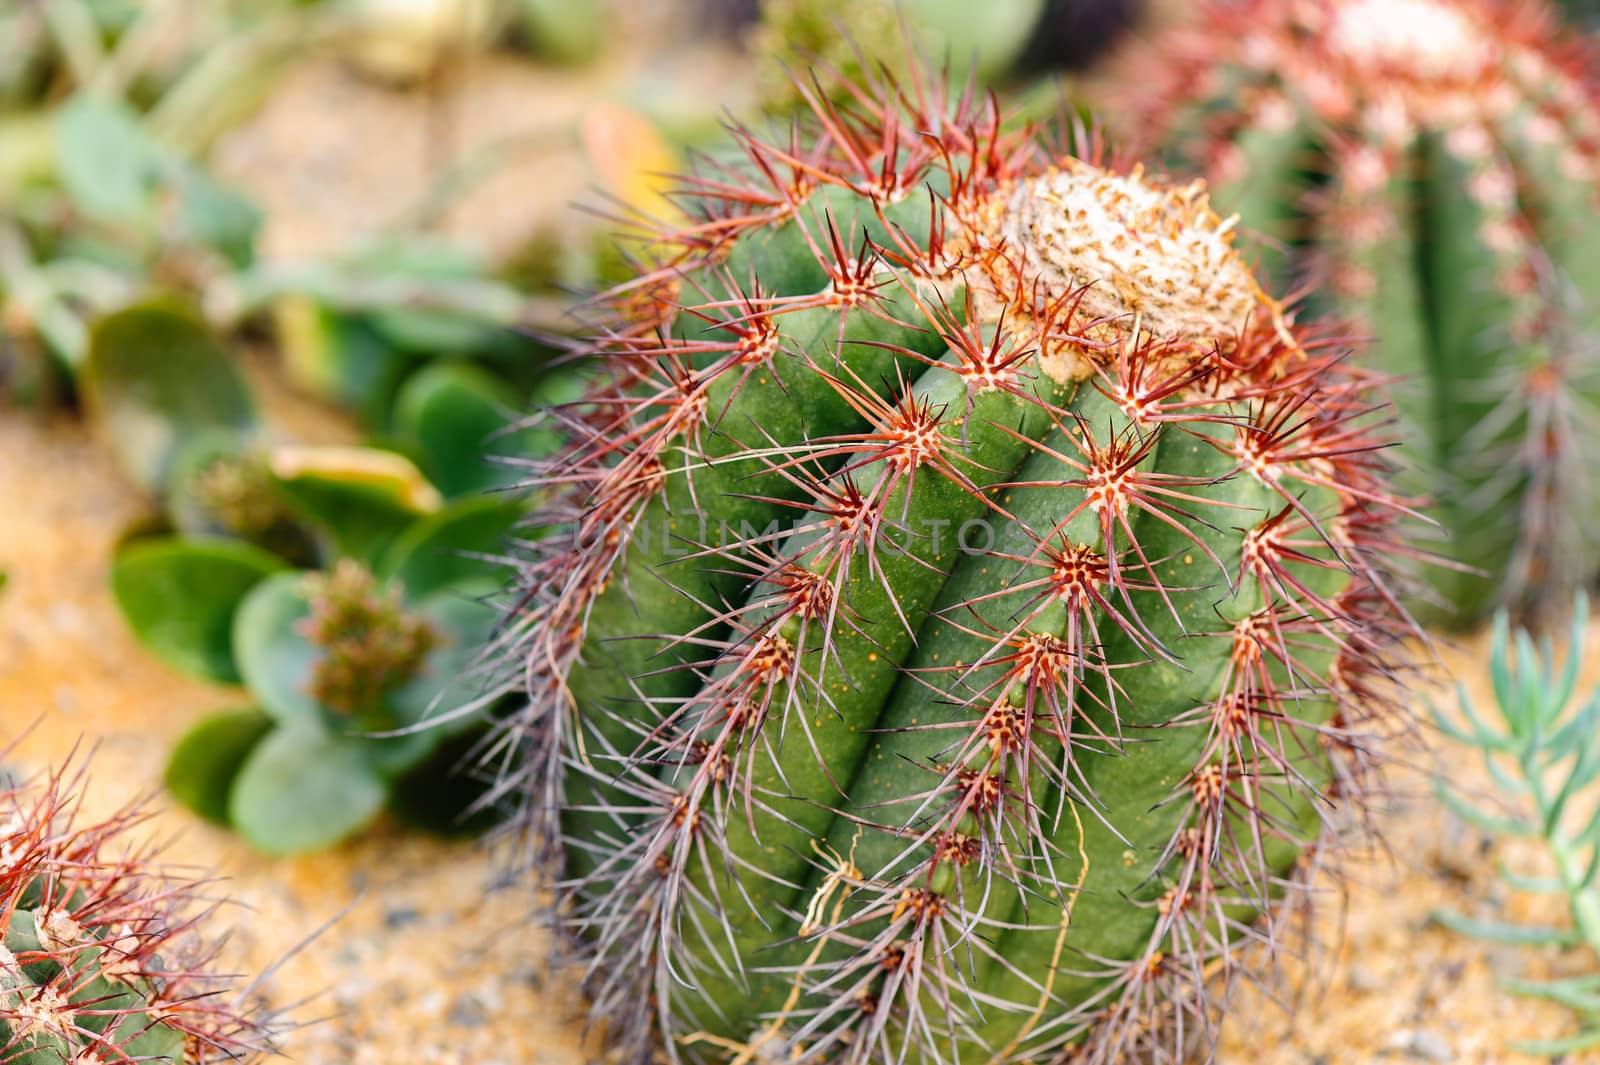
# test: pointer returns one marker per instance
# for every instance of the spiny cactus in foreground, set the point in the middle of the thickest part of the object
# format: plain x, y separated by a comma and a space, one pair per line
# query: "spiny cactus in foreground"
102, 958
1436, 161
961, 622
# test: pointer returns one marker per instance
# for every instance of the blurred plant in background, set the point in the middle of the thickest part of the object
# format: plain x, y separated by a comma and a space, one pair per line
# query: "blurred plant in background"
346, 654
1543, 755
1435, 162
223, 583
995, 42
107, 196
105, 111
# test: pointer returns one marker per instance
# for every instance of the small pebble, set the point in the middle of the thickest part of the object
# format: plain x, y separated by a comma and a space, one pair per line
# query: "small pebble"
1363, 979
1421, 1044
467, 1012
400, 917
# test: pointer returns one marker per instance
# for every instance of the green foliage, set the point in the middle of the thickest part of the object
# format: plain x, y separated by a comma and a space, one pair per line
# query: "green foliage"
179, 596
104, 195
348, 671
359, 499
1542, 750
203, 766
449, 416
351, 670
343, 717
858, 37
156, 379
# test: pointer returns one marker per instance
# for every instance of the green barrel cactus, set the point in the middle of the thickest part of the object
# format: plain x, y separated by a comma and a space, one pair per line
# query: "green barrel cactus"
960, 608
103, 958
1431, 165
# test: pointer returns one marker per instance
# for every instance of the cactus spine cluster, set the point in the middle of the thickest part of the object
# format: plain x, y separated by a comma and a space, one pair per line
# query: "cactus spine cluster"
1435, 162
961, 606
102, 958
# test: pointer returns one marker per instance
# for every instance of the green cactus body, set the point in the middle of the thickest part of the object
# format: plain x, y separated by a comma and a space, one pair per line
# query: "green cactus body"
99, 962
959, 608
1436, 162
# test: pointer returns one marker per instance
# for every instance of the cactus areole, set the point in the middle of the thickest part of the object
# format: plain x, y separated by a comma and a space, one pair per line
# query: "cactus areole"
1437, 164
960, 611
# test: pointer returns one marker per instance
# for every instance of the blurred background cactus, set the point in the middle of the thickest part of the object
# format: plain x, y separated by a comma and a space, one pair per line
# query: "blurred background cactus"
1431, 166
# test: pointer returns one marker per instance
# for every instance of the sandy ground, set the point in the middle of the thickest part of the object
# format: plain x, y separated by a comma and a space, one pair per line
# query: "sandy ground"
433, 965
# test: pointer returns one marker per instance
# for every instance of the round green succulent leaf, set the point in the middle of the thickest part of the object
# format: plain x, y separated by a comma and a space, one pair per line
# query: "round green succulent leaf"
180, 598
156, 377
304, 789
360, 498
451, 414
441, 549
107, 163
209, 757
275, 659
464, 617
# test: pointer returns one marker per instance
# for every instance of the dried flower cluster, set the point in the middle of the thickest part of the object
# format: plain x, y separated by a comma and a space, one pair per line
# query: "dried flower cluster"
371, 644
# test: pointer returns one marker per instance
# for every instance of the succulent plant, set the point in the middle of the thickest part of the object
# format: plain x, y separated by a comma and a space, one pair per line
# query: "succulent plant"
1542, 755
107, 196
347, 666
959, 609
339, 585
104, 957
361, 329
1432, 166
